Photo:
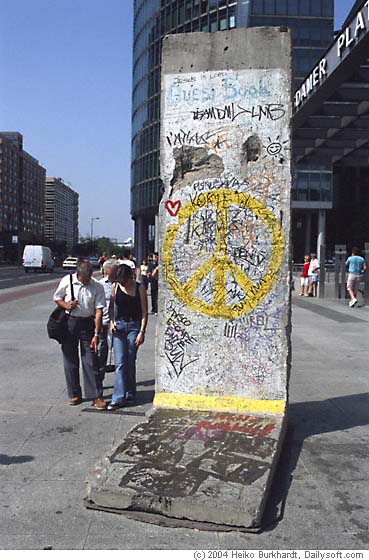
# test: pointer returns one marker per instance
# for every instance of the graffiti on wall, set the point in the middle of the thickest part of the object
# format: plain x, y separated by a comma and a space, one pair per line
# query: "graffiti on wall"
224, 230
177, 454
228, 224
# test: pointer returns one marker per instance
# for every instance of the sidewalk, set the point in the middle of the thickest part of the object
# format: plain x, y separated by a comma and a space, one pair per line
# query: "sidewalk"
321, 486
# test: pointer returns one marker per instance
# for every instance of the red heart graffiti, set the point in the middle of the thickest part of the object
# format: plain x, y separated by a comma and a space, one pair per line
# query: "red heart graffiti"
173, 207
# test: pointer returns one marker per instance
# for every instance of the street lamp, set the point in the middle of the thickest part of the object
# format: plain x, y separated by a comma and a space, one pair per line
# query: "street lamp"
92, 227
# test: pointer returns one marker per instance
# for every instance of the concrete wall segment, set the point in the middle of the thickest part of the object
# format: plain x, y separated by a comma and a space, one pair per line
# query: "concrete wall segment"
238, 49
225, 217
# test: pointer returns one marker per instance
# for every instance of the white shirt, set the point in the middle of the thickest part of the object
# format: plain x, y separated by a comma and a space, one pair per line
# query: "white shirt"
90, 297
314, 263
107, 286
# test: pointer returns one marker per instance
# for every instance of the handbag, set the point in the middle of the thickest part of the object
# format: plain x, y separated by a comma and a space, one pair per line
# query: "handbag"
57, 324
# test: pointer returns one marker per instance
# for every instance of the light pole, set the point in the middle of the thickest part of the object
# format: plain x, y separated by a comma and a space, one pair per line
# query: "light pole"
92, 227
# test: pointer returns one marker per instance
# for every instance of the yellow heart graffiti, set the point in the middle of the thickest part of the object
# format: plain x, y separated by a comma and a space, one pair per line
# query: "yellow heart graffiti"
219, 262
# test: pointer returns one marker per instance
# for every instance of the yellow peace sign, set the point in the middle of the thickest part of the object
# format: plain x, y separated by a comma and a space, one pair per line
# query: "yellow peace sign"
219, 262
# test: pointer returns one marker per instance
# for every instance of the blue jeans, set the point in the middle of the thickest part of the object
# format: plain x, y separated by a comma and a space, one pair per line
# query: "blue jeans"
125, 352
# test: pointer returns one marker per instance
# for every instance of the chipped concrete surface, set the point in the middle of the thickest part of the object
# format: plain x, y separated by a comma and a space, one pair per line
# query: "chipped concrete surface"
205, 466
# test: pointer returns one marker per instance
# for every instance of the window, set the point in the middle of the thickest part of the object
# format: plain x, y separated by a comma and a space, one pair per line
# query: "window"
188, 9
281, 7
314, 184
223, 24
305, 7
269, 7
257, 7
293, 9
327, 8
213, 23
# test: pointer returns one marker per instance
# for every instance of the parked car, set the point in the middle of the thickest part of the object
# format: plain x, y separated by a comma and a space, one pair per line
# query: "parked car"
94, 261
70, 262
37, 258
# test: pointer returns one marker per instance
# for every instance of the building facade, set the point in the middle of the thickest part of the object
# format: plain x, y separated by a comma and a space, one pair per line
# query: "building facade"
22, 188
61, 212
331, 144
311, 22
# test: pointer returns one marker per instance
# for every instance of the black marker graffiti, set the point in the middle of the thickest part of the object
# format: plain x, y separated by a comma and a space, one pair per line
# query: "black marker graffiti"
271, 111
176, 339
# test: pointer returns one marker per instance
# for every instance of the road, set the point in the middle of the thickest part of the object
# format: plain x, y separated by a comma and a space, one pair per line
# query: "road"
14, 276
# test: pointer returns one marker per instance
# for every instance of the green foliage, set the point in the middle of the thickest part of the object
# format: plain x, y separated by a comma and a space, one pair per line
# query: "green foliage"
99, 246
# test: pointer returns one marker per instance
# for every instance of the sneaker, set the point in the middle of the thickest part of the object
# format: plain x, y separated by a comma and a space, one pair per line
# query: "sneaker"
130, 397
353, 302
114, 406
99, 403
73, 401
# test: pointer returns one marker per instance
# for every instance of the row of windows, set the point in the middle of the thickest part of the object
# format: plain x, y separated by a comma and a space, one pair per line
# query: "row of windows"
304, 60
145, 12
6, 196
147, 141
8, 224
145, 168
10, 161
146, 196
312, 187
8, 208
177, 21
6, 188
315, 8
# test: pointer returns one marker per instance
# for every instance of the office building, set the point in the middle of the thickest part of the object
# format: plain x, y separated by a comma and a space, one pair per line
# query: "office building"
61, 212
311, 22
22, 185
331, 144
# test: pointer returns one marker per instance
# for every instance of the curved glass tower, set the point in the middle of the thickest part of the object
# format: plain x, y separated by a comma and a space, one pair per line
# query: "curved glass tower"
311, 22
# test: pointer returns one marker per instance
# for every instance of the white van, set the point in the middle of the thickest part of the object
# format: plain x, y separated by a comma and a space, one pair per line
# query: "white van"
37, 257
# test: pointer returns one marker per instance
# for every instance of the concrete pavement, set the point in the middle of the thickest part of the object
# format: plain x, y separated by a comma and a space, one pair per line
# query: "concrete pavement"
320, 493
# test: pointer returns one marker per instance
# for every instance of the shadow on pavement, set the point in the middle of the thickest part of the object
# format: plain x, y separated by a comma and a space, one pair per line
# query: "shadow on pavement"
305, 420
8, 460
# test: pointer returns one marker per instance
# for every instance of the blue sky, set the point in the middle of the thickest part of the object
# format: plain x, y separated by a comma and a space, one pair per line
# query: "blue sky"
66, 86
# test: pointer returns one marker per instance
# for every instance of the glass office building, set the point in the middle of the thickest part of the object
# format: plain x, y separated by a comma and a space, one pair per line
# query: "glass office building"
311, 22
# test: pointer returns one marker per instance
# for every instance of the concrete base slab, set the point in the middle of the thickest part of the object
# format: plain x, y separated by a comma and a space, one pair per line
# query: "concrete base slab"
205, 467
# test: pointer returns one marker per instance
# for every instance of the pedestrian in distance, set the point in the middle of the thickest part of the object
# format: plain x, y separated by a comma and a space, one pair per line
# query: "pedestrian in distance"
128, 315
356, 266
83, 330
109, 271
143, 273
304, 279
153, 276
101, 261
313, 273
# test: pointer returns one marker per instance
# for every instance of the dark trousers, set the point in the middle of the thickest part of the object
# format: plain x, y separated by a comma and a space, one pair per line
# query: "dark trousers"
154, 296
80, 333
102, 356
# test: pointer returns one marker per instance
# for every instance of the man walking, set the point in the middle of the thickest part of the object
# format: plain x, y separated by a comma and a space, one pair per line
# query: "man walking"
109, 271
84, 325
356, 267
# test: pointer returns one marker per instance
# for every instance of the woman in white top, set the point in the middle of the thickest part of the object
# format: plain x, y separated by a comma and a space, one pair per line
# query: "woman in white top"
143, 274
313, 274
